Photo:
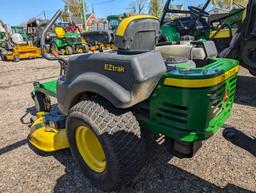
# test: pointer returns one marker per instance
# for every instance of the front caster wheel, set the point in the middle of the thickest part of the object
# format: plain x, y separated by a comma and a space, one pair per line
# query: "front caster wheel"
42, 102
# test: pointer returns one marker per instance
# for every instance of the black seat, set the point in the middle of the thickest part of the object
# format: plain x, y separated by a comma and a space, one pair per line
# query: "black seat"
137, 33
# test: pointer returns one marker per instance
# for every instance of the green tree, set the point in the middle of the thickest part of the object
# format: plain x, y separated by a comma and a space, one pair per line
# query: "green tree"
74, 7
156, 7
65, 16
138, 6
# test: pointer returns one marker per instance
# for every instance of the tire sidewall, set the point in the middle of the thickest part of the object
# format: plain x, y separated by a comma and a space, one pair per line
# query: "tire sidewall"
76, 119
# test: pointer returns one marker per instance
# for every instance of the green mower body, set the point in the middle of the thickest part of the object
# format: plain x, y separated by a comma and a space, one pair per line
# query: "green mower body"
71, 43
182, 110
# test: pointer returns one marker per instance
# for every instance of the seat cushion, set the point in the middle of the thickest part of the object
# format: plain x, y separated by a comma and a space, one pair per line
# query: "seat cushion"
186, 50
175, 50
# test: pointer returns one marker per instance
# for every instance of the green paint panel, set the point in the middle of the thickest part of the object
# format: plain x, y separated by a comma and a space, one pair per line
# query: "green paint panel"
186, 114
48, 88
216, 67
192, 114
171, 34
70, 39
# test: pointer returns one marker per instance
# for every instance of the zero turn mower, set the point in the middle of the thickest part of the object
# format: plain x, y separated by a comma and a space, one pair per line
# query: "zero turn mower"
107, 101
234, 35
19, 30
15, 47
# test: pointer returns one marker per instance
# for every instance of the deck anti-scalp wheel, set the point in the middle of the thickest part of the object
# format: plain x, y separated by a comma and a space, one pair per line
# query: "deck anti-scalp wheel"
106, 143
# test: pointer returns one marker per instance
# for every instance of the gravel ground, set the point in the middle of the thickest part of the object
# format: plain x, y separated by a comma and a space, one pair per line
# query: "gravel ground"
217, 167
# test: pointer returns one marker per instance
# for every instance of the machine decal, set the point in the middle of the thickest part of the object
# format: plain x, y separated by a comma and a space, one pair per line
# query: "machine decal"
113, 68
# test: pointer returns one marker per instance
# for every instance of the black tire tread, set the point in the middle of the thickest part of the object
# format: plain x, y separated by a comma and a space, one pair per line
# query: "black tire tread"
130, 153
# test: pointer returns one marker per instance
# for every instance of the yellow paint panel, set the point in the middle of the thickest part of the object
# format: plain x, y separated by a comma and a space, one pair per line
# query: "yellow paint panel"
186, 83
47, 139
60, 32
224, 33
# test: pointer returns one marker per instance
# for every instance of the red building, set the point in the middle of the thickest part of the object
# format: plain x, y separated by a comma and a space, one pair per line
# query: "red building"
92, 22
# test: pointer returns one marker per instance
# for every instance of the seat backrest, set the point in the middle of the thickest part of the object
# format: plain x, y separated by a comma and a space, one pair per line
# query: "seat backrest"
60, 32
17, 39
140, 32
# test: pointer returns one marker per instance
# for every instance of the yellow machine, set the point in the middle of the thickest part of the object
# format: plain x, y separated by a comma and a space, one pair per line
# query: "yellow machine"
15, 48
60, 32
45, 136
23, 52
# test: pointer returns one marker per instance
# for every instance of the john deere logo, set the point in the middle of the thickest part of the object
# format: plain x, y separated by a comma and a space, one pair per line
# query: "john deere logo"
113, 68
226, 96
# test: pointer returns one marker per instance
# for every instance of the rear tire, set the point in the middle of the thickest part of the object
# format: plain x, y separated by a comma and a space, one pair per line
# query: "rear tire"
120, 137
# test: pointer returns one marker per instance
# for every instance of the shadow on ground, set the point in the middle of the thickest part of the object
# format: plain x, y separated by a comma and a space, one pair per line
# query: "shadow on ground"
246, 91
13, 146
156, 176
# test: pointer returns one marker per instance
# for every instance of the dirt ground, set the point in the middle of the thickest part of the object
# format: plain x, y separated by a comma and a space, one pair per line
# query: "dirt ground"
217, 167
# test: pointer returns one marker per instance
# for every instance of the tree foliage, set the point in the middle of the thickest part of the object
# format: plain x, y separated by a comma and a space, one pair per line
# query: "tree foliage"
156, 7
74, 7
138, 6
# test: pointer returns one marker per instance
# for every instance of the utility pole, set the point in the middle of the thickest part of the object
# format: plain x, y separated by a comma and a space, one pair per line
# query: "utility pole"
84, 15
45, 17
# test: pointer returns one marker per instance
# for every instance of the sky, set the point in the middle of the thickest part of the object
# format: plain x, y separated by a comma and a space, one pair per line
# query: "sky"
14, 12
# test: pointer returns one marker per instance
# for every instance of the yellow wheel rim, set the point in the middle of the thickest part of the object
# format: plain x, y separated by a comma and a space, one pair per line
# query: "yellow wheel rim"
90, 149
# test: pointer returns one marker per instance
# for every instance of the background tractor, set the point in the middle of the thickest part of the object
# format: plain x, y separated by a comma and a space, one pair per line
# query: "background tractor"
19, 30
233, 34
35, 29
109, 102
103, 40
114, 21
67, 42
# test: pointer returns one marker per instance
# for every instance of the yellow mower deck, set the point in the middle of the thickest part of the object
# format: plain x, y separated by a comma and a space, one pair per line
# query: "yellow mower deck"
46, 138
24, 52
224, 33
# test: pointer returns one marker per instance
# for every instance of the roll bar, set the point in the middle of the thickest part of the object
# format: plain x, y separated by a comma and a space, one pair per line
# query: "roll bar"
168, 10
53, 56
